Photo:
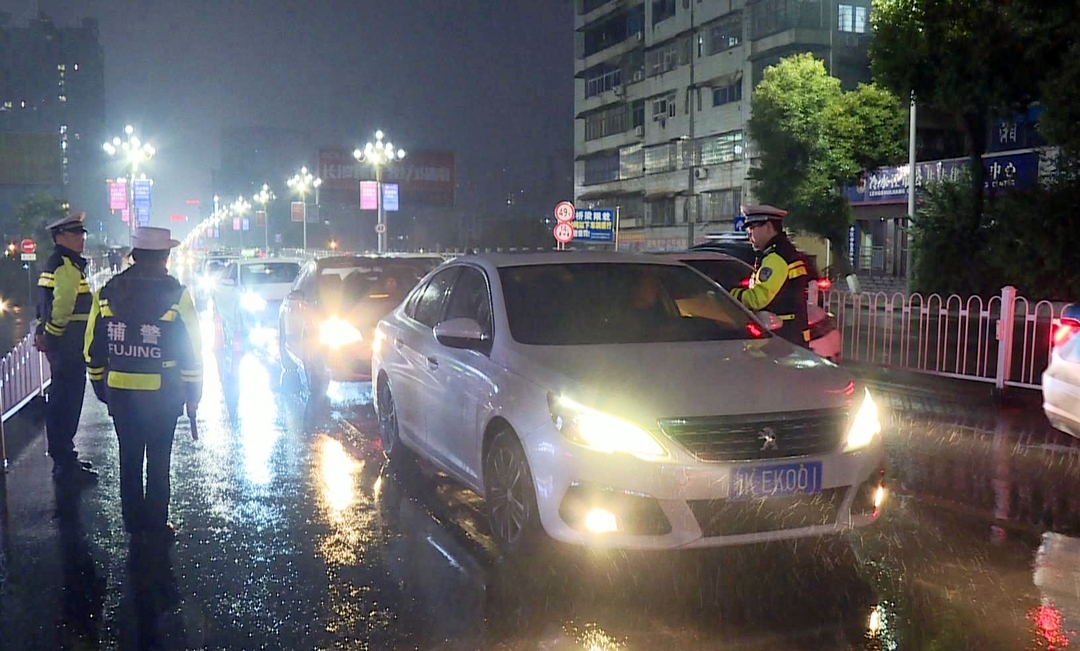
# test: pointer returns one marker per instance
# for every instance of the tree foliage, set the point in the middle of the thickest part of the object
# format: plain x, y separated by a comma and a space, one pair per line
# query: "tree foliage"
34, 212
813, 137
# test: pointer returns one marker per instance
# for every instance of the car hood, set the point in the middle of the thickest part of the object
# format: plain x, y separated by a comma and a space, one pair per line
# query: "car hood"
272, 292
649, 381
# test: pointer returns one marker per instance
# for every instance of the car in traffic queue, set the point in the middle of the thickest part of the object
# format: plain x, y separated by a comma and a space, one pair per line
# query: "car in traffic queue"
327, 321
247, 297
730, 272
206, 276
1061, 379
622, 400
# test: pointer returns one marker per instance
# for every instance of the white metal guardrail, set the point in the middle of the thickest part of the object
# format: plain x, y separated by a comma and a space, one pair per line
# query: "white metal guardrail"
1004, 339
25, 374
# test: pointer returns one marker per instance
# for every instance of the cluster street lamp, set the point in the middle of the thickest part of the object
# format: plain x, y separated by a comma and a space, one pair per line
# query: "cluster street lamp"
240, 208
264, 197
301, 183
133, 151
377, 155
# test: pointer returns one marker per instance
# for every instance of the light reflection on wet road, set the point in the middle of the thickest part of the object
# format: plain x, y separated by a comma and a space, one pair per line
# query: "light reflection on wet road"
292, 537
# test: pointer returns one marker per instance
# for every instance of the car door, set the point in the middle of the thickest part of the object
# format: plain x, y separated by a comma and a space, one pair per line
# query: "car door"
293, 308
225, 296
465, 380
415, 380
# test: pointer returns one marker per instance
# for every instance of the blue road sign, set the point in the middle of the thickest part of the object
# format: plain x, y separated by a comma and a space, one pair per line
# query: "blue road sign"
141, 190
390, 196
740, 224
594, 225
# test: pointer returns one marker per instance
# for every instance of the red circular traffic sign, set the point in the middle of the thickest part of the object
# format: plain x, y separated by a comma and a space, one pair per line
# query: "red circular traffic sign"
28, 245
564, 232
564, 211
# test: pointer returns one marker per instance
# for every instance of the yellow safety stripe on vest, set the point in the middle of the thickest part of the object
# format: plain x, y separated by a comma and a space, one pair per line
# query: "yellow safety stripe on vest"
786, 317
191, 376
53, 329
106, 310
171, 313
47, 274
96, 373
168, 364
796, 269
134, 381
46, 282
80, 317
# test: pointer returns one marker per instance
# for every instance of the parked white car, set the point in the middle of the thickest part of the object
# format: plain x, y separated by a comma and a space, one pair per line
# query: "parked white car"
1061, 380
247, 296
622, 400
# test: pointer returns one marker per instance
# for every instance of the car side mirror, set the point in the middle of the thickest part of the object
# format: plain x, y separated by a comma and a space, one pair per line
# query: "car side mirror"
769, 320
295, 295
228, 282
461, 333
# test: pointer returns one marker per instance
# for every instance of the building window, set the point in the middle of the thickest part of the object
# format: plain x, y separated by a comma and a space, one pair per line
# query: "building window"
631, 161
853, 19
722, 148
726, 33
663, 107
606, 122
668, 56
612, 30
720, 206
601, 169
662, 10
727, 94
637, 113
660, 158
592, 5
772, 16
602, 78
660, 212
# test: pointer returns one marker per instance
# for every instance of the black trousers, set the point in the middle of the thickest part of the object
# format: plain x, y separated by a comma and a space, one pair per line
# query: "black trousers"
145, 434
64, 406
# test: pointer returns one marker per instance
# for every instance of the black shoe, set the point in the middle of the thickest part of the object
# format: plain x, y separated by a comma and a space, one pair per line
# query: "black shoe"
87, 465
73, 472
164, 535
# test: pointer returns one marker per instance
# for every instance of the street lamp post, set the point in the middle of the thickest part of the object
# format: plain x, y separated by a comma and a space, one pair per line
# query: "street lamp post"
300, 183
264, 197
240, 207
134, 152
377, 155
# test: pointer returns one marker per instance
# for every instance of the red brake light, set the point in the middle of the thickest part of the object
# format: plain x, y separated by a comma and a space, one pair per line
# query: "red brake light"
1064, 332
744, 283
755, 331
824, 284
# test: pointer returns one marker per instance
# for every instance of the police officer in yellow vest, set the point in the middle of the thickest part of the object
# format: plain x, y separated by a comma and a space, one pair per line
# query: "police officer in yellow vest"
143, 352
780, 279
63, 308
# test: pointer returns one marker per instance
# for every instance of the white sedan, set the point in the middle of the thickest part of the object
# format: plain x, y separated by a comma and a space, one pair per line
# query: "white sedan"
246, 299
1061, 380
622, 401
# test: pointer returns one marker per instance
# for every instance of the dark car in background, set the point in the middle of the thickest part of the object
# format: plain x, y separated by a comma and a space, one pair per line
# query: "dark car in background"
326, 323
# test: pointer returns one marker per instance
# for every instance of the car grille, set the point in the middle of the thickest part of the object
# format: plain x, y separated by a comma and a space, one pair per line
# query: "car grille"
726, 518
739, 438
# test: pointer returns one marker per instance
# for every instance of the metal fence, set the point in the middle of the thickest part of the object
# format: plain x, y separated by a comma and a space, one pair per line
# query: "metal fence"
1004, 339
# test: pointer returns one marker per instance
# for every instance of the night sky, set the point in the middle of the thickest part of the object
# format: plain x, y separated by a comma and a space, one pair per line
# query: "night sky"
490, 79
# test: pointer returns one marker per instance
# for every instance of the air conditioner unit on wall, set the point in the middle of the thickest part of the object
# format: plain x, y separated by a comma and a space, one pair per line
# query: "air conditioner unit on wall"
639, 131
700, 173
618, 90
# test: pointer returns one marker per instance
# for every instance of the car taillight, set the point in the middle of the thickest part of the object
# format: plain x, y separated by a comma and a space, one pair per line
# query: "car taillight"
744, 283
755, 331
824, 284
1066, 330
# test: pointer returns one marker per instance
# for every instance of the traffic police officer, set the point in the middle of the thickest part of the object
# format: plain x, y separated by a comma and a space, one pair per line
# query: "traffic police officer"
143, 352
63, 308
780, 280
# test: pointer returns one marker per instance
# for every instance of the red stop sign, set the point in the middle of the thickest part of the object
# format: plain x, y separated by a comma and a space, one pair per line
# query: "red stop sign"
28, 245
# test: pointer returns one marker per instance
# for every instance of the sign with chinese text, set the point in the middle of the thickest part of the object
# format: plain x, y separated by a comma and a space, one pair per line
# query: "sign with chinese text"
369, 195
312, 213
298, 211
141, 190
594, 225
142, 216
177, 218
117, 195
125, 215
260, 217
236, 223
390, 197
245, 224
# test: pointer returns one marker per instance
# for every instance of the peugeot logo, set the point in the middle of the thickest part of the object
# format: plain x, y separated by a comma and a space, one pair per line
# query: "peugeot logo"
768, 438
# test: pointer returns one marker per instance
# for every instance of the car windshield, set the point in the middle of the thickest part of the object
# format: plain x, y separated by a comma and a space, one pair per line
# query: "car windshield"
214, 267
728, 273
269, 273
606, 303
382, 283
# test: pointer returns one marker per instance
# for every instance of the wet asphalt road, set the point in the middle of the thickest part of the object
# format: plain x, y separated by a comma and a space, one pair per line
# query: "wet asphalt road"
291, 536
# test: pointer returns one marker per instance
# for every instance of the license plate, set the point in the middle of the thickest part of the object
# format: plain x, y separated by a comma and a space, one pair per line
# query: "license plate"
779, 480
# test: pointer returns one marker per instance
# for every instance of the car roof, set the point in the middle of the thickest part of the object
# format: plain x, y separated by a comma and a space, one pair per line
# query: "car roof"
242, 261
702, 254
369, 258
501, 260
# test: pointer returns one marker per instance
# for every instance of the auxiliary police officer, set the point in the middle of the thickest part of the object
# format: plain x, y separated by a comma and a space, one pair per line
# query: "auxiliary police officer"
780, 280
63, 309
143, 352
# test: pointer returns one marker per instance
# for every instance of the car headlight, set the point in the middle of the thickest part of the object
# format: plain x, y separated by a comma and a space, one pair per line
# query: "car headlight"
336, 333
253, 302
206, 283
602, 432
866, 425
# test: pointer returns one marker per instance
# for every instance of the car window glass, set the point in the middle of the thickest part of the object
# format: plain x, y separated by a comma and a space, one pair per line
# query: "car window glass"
265, 273
470, 299
412, 300
230, 272
431, 302
729, 274
307, 285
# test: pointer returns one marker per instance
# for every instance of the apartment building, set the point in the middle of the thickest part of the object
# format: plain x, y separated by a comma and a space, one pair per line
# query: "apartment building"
662, 98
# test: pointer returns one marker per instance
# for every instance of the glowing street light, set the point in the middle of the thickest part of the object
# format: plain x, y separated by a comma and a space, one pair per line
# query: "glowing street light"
301, 183
133, 152
263, 197
378, 154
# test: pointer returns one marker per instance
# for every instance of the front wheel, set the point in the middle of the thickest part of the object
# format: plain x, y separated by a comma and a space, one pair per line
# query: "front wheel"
510, 495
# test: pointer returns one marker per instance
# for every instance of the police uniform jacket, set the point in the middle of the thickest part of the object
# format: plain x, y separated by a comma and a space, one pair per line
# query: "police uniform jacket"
779, 285
142, 344
64, 304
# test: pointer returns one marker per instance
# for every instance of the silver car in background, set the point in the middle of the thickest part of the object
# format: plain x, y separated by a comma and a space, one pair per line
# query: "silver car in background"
619, 400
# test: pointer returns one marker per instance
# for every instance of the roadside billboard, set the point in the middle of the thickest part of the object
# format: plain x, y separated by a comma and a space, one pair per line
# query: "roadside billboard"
425, 177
